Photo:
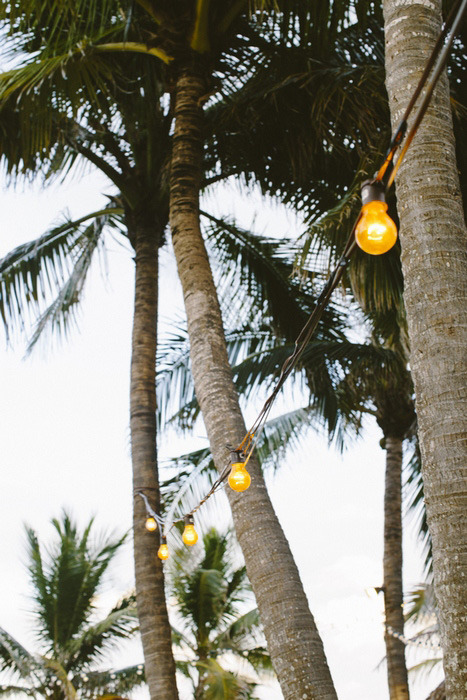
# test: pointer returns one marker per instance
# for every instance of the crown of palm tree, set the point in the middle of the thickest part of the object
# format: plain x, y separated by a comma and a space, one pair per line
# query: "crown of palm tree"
73, 639
224, 644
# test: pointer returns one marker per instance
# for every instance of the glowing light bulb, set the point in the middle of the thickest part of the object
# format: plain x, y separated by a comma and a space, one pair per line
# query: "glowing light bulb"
190, 536
376, 232
239, 479
163, 552
151, 524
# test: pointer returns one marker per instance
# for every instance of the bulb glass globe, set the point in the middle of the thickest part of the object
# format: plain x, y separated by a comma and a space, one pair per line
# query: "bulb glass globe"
151, 524
190, 536
163, 552
376, 232
239, 479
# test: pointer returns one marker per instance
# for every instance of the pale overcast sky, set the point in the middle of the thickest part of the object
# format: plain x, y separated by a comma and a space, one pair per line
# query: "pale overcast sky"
64, 441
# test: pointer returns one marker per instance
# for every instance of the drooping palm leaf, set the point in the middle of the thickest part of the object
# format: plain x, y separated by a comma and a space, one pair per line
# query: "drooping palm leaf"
15, 659
66, 577
98, 639
41, 282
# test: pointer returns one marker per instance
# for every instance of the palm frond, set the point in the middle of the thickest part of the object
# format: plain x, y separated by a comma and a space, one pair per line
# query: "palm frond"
241, 633
415, 505
424, 668
220, 684
8, 689
16, 659
66, 582
60, 675
103, 636
55, 264
111, 684
260, 281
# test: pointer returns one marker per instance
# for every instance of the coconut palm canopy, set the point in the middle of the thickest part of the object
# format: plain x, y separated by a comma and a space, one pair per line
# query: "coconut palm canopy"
217, 634
73, 638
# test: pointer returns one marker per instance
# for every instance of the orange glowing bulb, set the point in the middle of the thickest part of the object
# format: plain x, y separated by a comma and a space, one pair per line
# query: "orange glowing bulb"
376, 232
151, 524
190, 536
239, 479
163, 552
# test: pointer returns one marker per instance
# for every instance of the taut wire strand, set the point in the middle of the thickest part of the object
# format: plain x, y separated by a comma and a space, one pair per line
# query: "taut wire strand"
440, 65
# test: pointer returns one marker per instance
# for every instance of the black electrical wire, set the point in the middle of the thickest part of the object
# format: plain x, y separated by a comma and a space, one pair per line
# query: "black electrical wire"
436, 62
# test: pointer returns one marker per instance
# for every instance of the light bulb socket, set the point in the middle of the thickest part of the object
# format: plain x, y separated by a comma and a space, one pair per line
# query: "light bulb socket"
373, 191
189, 520
236, 456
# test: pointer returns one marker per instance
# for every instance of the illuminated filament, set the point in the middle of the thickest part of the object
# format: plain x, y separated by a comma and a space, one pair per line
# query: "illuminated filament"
376, 232
163, 552
239, 479
190, 536
150, 524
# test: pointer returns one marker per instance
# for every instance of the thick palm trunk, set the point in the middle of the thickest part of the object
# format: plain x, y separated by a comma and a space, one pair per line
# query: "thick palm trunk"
438, 694
150, 596
293, 640
434, 261
392, 565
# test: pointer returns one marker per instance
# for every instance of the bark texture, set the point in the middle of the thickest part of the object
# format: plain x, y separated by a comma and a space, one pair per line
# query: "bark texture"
392, 566
434, 260
438, 694
293, 640
150, 595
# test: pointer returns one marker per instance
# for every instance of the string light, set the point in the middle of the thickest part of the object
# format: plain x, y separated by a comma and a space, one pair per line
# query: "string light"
376, 232
375, 241
163, 551
151, 524
190, 536
239, 479
412, 642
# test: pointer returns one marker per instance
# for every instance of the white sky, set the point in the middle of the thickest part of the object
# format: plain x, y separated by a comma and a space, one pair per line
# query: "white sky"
64, 441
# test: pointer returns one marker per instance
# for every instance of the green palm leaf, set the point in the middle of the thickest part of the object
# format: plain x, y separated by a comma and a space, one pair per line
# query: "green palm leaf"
66, 578
66, 583
98, 639
210, 588
54, 265
16, 659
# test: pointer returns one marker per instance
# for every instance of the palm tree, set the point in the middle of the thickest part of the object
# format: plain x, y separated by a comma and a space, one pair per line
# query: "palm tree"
73, 637
115, 132
344, 379
76, 59
433, 236
385, 383
210, 594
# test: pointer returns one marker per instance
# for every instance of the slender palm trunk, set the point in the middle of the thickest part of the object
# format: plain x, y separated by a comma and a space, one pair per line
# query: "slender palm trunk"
434, 261
293, 640
150, 596
392, 565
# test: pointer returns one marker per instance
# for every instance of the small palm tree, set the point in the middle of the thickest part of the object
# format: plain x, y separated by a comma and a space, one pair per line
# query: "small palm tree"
73, 638
211, 632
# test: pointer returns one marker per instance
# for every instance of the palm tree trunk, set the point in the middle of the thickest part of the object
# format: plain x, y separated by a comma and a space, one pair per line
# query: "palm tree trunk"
438, 694
150, 596
434, 261
392, 564
294, 643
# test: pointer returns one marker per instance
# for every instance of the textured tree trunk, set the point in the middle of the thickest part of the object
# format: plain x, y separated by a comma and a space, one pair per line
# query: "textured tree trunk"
293, 640
438, 694
392, 565
150, 596
434, 260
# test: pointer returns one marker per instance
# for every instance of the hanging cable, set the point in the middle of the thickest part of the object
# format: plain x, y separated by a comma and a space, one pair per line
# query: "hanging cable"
383, 179
454, 19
